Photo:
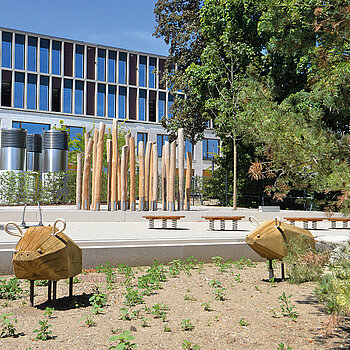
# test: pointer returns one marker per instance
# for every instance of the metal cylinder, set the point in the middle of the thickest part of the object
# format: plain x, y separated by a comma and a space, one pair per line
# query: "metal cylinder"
13, 149
34, 152
55, 151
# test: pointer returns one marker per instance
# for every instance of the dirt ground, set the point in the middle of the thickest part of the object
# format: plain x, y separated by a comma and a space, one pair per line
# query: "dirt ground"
249, 317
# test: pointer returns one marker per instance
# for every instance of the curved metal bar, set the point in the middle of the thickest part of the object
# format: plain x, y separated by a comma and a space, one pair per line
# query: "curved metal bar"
254, 221
21, 234
277, 222
55, 224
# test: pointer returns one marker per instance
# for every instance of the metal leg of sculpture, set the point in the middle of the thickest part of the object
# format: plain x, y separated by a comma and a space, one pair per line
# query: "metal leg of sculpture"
282, 269
49, 290
54, 290
70, 287
271, 275
31, 293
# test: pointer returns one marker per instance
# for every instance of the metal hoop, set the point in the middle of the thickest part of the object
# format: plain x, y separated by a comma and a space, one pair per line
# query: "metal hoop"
55, 224
254, 221
277, 222
21, 234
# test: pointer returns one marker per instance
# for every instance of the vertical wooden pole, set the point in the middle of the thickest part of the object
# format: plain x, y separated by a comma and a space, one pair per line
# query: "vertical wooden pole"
181, 155
87, 139
99, 164
119, 181
114, 172
87, 175
163, 178
109, 173
147, 161
155, 177
78, 182
188, 180
167, 171
124, 169
127, 143
172, 175
141, 152
150, 186
94, 165
132, 174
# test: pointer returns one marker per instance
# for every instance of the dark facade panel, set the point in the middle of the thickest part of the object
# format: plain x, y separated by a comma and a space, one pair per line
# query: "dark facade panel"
91, 51
90, 103
132, 103
132, 69
152, 106
68, 59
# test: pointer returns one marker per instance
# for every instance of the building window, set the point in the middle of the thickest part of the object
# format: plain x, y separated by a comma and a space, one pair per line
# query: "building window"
101, 64
67, 95
152, 73
56, 58
152, 106
32, 128
170, 103
56, 95
6, 50
68, 59
161, 139
32, 48
122, 103
6, 87
79, 61
44, 93
122, 68
141, 136
111, 101
31, 91
101, 99
161, 105
79, 97
44, 55
90, 98
132, 69
161, 73
111, 66
75, 133
188, 147
142, 71
19, 51
132, 103
19, 90
142, 104
91, 62
210, 148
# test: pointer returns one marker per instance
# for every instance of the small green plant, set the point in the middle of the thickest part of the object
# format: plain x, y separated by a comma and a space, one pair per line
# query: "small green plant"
274, 313
187, 345
7, 328
133, 297
243, 263
238, 279
23, 303
6, 304
88, 319
242, 322
49, 311
272, 281
41, 283
166, 328
136, 313
75, 280
158, 310
215, 284
114, 330
123, 341
206, 306
125, 315
10, 289
43, 333
219, 294
98, 300
286, 308
258, 289
144, 322
186, 325
281, 346
190, 297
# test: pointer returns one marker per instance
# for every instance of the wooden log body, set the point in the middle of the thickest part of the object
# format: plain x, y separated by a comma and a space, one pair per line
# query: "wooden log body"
124, 175
87, 175
78, 182
99, 164
150, 186
119, 192
114, 171
132, 174
167, 171
109, 173
172, 176
188, 181
141, 152
127, 143
163, 178
155, 177
87, 139
270, 237
40, 255
94, 166
181, 157
147, 164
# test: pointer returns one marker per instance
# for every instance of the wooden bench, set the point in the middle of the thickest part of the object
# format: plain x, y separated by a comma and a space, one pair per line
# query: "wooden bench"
334, 222
305, 222
164, 219
222, 220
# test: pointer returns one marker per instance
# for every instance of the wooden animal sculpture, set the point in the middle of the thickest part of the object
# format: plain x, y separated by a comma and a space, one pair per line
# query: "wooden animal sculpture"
45, 253
270, 240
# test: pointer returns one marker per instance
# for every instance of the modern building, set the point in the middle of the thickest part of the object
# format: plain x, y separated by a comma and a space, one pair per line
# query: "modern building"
46, 79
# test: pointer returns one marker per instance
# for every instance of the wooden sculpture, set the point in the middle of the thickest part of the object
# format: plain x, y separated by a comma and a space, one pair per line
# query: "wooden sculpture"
87, 175
163, 179
150, 183
109, 172
155, 176
147, 164
141, 176
124, 177
99, 164
167, 171
188, 181
78, 182
181, 156
114, 171
94, 165
132, 174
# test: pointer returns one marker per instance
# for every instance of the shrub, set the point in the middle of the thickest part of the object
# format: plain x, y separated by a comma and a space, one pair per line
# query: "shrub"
10, 289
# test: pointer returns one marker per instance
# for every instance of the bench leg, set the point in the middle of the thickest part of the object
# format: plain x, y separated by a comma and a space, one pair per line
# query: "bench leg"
222, 225
150, 223
345, 224
211, 225
305, 225
164, 223
174, 224
234, 225
333, 224
314, 225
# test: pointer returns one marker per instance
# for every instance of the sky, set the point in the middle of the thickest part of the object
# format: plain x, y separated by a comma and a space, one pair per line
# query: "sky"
126, 24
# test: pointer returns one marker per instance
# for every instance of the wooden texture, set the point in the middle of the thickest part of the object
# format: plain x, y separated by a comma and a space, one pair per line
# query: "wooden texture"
167, 172
141, 152
303, 219
99, 164
181, 157
188, 181
78, 181
218, 217
163, 179
87, 139
87, 176
165, 217
114, 171
150, 186
109, 172
132, 174
155, 177
269, 238
124, 170
40, 255
119, 191
94, 166
172, 176
147, 164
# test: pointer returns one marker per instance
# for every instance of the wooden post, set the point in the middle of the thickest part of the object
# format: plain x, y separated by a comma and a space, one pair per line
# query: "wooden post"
87, 175
141, 152
163, 178
87, 139
78, 182
124, 169
114, 172
132, 174
127, 143
150, 186
188, 180
167, 172
99, 163
109, 173
181, 155
119, 181
172, 175
94, 165
147, 161
155, 177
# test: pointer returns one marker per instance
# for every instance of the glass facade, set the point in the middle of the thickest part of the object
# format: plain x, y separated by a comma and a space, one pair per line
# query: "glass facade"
32, 53
101, 65
101, 99
19, 90
188, 147
79, 61
122, 103
152, 73
112, 55
56, 58
44, 55
44, 93
19, 51
32, 128
142, 71
111, 101
79, 97
31, 91
161, 139
67, 96
210, 148
122, 68
142, 104
161, 105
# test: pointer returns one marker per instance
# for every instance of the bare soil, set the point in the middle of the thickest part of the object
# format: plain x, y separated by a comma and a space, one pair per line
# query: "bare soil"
247, 295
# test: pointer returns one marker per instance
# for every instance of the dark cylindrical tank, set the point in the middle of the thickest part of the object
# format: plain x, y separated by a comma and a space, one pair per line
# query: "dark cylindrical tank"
34, 152
13, 149
55, 151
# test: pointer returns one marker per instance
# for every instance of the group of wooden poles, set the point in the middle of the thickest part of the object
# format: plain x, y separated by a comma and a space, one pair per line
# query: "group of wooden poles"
121, 177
